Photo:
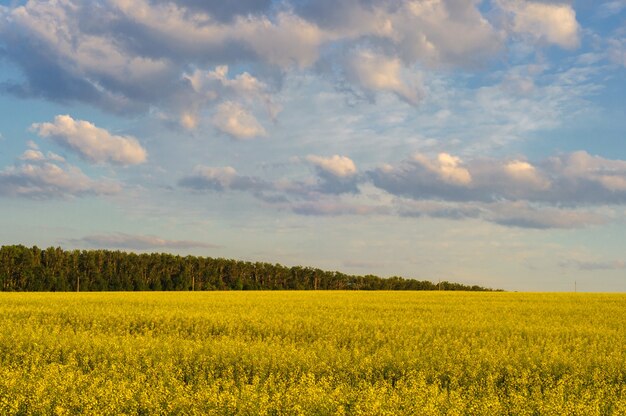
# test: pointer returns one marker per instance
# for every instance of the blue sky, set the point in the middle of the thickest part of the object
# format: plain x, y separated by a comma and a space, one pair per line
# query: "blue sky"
472, 141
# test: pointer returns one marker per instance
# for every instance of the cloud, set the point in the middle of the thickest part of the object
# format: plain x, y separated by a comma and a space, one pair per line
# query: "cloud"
32, 155
444, 177
576, 178
336, 175
92, 143
611, 8
336, 208
433, 33
222, 179
285, 40
519, 214
380, 73
232, 119
137, 242
340, 166
216, 82
62, 61
563, 191
551, 23
214, 87
133, 57
172, 58
437, 209
43, 177
225, 11
524, 215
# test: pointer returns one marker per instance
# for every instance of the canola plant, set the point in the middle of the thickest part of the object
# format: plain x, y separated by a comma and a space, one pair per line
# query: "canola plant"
312, 353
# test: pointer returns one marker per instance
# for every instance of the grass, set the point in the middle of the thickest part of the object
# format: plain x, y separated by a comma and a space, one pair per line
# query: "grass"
321, 353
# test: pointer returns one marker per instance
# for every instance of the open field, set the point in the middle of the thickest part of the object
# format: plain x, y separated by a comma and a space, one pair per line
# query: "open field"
312, 353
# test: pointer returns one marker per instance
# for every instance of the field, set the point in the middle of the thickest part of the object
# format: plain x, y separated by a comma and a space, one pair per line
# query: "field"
312, 353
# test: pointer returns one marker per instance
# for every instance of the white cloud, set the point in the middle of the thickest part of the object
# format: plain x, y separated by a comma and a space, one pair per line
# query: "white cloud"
447, 167
129, 56
78, 64
286, 40
44, 177
381, 73
207, 82
552, 23
92, 143
231, 118
523, 172
580, 168
341, 166
214, 87
576, 178
32, 155
510, 192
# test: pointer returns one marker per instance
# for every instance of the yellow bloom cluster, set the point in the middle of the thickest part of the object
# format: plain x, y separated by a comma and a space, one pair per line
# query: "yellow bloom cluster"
312, 353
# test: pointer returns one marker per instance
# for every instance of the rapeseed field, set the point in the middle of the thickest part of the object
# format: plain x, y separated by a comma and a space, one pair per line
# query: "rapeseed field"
312, 353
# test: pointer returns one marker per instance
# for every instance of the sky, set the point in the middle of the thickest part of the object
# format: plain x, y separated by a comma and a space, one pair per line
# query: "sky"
480, 142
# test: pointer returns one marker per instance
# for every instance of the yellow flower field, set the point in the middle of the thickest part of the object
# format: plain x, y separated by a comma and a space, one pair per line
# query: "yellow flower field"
320, 353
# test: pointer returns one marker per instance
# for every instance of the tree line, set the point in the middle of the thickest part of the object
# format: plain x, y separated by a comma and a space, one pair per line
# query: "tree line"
54, 269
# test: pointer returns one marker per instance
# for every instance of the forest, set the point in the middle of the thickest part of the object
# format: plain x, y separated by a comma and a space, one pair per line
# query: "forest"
55, 270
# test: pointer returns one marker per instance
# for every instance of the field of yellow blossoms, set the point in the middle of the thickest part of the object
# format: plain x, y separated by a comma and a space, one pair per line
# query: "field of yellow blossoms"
312, 353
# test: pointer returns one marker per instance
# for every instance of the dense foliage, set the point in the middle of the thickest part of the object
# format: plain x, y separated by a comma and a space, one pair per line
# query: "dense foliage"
312, 353
53, 269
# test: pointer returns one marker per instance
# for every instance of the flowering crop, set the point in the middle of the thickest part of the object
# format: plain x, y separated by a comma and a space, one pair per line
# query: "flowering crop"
324, 353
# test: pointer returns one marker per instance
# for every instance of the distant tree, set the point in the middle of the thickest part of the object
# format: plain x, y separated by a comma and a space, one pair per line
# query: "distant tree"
53, 269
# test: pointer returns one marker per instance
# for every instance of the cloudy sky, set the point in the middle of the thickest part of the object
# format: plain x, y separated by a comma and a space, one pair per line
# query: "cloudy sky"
474, 141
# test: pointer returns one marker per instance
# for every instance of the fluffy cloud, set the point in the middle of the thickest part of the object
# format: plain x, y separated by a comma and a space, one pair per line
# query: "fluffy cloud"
340, 166
439, 32
552, 23
92, 143
63, 61
137, 242
285, 40
128, 57
42, 177
555, 193
238, 100
32, 155
213, 82
336, 175
234, 120
420, 177
380, 73
576, 179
